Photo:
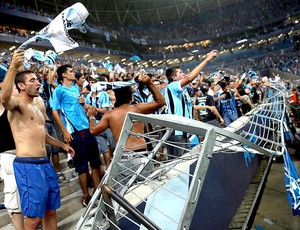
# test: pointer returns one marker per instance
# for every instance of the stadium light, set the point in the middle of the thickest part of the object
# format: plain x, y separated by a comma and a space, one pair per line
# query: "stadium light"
11, 48
124, 59
86, 55
241, 41
107, 58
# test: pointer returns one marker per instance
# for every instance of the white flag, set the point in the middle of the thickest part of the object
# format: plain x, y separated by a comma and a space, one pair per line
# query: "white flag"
57, 31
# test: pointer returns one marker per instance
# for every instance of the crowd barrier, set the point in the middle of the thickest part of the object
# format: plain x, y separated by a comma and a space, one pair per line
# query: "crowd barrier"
201, 189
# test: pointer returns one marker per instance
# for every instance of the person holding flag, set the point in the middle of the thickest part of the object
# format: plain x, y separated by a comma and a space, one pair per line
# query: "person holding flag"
36, 179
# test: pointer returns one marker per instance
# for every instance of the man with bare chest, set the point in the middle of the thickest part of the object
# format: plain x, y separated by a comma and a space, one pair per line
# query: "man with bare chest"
114, 119
36, 179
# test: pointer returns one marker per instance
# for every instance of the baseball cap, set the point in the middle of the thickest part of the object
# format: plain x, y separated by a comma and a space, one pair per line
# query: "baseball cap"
204, 87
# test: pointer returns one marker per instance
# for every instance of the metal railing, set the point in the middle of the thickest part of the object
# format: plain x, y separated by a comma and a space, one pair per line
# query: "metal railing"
150, 187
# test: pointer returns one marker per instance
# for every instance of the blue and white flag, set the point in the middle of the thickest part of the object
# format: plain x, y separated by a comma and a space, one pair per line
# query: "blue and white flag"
104, 85
51, 58
36, 57
292, 183
57, 31
107, 65
119, 69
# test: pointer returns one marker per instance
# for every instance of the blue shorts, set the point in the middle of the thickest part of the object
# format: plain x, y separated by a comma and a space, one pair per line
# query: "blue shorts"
37, 184
86, 150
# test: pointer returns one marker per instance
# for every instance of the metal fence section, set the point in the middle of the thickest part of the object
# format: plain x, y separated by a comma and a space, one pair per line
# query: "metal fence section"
169, 190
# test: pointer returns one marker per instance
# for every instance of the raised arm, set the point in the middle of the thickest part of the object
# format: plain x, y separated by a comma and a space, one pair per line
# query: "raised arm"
159, 100
192, 75
51, 76
10, 102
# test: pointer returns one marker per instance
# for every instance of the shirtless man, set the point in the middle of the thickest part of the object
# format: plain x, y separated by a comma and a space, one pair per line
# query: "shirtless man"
7, 156
114, 118
41, 196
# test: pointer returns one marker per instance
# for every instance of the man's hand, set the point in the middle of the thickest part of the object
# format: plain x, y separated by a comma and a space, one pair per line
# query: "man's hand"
143, 78
17, 59
92, 111
67, 137
221, 121
69, 149
81, 100
211, 55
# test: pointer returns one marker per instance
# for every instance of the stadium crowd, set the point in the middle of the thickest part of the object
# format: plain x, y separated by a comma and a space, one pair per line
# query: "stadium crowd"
80, 108
217, 98
214, 22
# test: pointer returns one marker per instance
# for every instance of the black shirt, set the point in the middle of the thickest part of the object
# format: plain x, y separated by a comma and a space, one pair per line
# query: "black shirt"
206, 114
6, 139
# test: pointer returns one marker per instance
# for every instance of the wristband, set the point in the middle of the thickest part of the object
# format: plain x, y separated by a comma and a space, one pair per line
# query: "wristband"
92, 118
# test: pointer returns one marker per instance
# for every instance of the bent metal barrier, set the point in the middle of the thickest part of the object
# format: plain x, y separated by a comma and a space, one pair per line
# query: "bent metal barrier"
201, 189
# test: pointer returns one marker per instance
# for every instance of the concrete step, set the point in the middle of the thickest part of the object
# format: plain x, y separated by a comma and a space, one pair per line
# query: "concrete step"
71, 221
1, 185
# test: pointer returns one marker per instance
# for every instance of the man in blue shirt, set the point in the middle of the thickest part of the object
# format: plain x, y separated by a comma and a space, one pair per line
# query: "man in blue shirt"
178, 100
73, 122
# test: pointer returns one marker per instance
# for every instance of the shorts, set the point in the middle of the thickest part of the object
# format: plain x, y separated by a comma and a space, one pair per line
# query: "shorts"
130, 163
11, 193
105, 138
50, 130
37, 184
178, 140
86, 150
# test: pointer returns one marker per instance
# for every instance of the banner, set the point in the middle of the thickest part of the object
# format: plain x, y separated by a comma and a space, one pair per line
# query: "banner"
57, 31
292, 183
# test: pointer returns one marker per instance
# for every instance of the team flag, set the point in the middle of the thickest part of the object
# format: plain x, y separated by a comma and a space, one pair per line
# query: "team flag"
57, 31
292, 183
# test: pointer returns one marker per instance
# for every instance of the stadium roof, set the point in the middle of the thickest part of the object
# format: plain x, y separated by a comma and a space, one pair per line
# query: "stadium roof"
134, 11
